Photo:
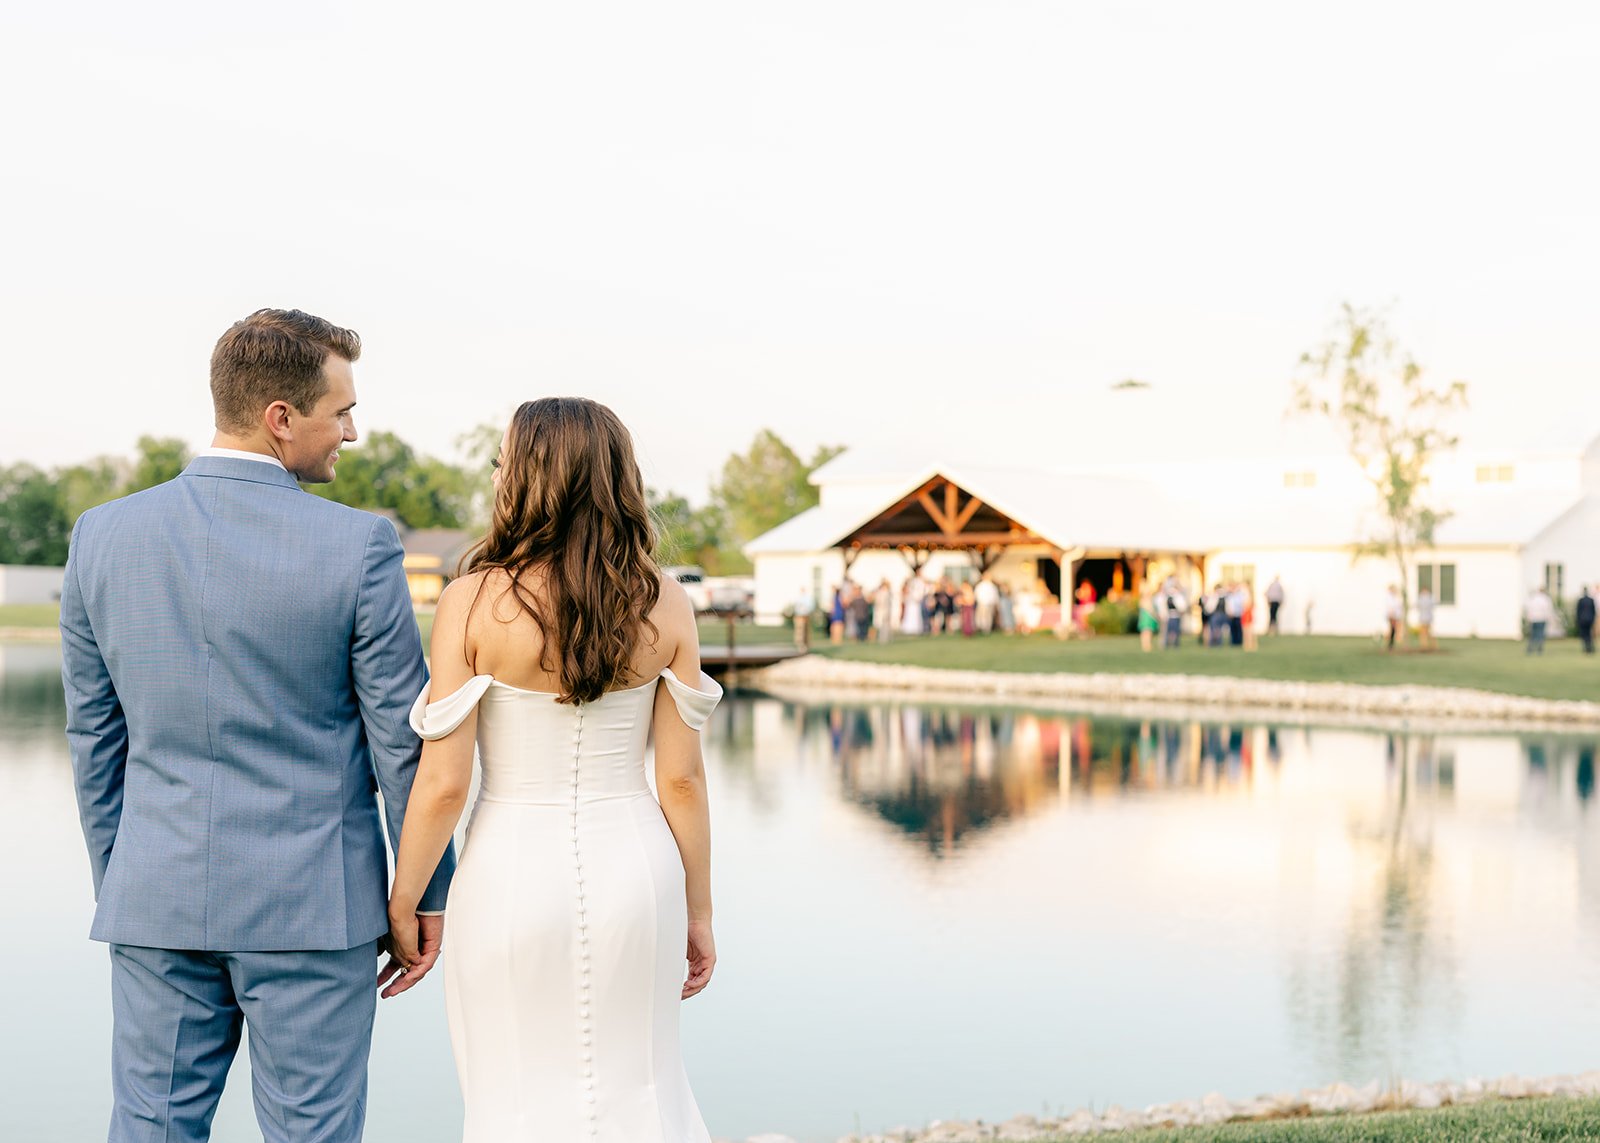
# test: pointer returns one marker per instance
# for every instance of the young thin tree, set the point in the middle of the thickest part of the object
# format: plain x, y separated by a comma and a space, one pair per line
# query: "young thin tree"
1394, 425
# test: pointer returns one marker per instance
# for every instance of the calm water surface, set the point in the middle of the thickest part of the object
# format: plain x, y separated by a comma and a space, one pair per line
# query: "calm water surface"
935, 911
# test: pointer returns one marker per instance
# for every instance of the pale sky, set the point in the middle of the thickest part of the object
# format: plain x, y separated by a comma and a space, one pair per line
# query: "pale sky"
868, 223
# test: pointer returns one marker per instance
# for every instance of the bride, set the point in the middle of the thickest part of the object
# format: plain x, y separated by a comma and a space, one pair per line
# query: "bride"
559, 653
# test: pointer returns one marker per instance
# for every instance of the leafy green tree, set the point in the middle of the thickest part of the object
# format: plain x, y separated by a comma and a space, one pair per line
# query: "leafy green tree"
82, 486
478, 447
34, 526
385, 472
1393, 423
760, 489
160, 459
688, 535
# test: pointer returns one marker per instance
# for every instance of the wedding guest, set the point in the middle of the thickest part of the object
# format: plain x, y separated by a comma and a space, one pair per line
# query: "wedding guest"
987, 596
860, 613
1425, 605
804, 607
836, 616
1219, 615
1584, 617
911, 597
1006, 609
1233, 599
1148, 623
944, 606
967, 600
1274, 598
1539, 612
883, 611
1029, 608
1086, 599
1176, 604
1247, 617
1394, 614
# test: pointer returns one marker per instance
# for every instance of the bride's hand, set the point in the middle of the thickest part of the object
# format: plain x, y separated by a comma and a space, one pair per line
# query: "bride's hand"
702, 957
401, 945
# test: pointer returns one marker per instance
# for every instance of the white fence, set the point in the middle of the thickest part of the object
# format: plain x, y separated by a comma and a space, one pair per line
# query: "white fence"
20, 584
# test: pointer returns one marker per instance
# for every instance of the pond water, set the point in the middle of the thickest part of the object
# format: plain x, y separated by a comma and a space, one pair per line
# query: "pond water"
937, 911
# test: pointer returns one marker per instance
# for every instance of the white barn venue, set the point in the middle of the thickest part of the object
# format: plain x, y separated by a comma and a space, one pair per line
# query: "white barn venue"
1517, 521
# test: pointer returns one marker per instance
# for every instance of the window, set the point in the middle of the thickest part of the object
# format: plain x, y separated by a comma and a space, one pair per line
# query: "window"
1239, 573
1496, 473
1439, 579
1304, 479
1555, 581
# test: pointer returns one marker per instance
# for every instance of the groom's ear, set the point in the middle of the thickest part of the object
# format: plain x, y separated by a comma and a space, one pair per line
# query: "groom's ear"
276, 419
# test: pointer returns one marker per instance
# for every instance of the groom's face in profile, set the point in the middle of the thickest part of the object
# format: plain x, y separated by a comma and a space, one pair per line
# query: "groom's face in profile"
318, 433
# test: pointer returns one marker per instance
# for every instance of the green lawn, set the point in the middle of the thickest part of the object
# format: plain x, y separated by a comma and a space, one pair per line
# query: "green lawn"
713, 632
1563, 672
39, 615
1532, 1119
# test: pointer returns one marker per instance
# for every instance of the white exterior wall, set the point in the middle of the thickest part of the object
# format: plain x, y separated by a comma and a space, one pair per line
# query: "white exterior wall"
779, 577
1572, 541
1455, 476
1348, 598
20, 584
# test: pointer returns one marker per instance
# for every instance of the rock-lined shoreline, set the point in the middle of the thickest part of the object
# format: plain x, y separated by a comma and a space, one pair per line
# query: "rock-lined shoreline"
1335, 1099
1346, 700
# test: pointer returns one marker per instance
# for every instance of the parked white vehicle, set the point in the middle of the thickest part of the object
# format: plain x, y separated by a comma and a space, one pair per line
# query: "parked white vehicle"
694, 583
714, 593
731, 592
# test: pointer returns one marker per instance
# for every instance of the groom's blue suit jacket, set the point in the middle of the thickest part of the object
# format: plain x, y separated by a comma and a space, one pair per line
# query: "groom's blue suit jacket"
240, 659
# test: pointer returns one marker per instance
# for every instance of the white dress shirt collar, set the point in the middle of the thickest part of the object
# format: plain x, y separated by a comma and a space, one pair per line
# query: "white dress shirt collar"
240, 454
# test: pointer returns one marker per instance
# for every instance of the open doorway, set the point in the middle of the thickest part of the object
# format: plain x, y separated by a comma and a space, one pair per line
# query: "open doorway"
1050, 575
1104, 575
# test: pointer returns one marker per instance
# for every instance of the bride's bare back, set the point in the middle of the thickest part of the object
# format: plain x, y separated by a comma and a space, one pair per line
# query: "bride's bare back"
503, 640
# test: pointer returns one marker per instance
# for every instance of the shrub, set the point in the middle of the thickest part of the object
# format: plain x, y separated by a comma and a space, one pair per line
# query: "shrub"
1114, 617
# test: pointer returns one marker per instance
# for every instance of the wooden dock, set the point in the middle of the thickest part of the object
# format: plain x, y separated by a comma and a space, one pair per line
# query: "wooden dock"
715, 660
723, 656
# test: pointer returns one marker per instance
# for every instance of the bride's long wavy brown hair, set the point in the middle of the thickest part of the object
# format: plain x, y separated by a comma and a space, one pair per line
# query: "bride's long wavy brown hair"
571, 506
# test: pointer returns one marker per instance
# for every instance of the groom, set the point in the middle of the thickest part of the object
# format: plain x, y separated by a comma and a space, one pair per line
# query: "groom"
240, 658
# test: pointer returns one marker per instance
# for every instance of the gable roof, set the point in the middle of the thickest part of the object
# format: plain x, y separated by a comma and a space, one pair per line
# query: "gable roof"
1119, 511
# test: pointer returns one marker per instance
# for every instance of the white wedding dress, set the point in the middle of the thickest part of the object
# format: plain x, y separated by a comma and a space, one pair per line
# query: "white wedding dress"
566, 933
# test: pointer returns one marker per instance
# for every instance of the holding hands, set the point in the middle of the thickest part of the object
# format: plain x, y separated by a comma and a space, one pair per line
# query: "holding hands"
413, 945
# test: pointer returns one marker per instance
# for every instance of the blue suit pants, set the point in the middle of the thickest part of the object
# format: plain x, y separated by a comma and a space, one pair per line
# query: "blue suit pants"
177, 1019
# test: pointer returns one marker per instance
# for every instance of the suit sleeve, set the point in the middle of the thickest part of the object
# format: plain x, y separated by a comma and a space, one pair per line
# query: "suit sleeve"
386, 663
97, 730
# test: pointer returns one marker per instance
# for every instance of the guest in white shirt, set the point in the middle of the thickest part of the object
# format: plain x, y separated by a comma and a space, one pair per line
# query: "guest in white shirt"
1539, 612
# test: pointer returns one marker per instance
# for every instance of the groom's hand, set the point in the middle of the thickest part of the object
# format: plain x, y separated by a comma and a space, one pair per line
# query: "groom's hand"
413, 945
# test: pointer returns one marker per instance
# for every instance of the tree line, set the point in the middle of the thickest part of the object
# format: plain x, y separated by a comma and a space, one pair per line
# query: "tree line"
757, 490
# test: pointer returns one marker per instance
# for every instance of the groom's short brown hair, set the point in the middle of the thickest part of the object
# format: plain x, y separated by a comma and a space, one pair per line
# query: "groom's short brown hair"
274, 355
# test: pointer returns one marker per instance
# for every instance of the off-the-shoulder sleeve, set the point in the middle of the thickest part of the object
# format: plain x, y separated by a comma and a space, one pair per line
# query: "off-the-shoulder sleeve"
695, 704
436, 719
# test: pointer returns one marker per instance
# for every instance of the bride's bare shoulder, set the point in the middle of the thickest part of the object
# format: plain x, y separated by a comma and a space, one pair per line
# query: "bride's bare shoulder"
673, 605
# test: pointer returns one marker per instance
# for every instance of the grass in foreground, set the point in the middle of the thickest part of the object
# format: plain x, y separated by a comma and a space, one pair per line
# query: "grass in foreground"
1562, 672
1510, 1120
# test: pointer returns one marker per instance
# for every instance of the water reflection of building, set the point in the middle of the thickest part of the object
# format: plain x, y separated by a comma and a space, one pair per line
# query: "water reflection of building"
943, 773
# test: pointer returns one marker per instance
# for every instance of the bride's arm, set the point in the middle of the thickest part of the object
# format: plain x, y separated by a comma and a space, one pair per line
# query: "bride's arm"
444, 775
681, 782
